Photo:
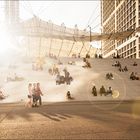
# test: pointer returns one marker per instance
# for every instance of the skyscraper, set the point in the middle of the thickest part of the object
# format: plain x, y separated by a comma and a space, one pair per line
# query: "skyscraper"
11, 11
117, 16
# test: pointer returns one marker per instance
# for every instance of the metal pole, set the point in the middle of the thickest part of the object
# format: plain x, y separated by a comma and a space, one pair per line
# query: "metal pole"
60, 48
90, 40
50, 46
39, 47
71, 49
82, 48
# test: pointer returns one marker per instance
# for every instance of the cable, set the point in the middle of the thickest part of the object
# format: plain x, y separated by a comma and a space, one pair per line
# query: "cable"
26, 8
93, 21
91, 16
45, 8
96, 26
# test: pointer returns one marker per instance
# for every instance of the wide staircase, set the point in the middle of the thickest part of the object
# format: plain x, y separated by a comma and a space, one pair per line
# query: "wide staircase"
128, 89
81, 86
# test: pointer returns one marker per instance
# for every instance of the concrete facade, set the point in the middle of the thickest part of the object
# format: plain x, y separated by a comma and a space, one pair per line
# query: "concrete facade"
11, 11
117, 16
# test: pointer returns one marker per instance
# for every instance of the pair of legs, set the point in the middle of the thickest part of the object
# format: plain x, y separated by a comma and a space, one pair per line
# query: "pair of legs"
35, 99
29, 103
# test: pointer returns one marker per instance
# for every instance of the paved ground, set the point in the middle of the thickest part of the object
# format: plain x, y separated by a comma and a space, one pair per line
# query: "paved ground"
71, 120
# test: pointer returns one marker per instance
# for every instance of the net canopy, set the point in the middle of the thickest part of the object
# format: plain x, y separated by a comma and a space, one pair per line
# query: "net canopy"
42, 37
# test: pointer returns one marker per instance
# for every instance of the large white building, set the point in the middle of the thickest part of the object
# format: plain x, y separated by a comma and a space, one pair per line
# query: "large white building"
121, 15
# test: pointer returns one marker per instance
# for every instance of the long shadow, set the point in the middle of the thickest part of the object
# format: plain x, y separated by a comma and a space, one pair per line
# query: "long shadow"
49, 116
65, 111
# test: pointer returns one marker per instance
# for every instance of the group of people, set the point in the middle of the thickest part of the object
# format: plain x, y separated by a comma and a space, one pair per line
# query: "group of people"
51, 55
13, 77
118, 64
101, 91
54, 70
37, 66
135, 64
125, 69
34, 95
60, 79
109, 76
98, 56
134, 76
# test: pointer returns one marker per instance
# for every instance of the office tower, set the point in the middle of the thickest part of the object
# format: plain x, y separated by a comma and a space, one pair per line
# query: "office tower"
117, 16
11, 11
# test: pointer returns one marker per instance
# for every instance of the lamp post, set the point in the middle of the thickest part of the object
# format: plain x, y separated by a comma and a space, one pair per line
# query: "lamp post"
90, 39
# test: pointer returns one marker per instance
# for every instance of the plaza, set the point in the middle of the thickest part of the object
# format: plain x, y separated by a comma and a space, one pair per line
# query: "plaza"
64, 59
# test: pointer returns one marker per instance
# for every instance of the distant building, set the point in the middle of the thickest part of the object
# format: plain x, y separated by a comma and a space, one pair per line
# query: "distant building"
116, 16
11, 11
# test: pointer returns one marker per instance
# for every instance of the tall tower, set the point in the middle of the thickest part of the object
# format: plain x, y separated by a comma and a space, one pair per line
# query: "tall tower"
118, 16
11, 11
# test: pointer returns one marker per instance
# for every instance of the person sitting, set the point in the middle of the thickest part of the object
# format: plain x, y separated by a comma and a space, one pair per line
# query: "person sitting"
57, 79
132, 76
107, 76
70, 62
114, 64
74, 55
109, 91
87, 55
79, 55
118, 56
50, 71
56, 70
1, 95
84, 59
96, 56
69, 95
88, 64
111, 76
118, 64
136, 76
94, 91
16, 77
100, 56
62, 80
120, 68
125, 68
102, 90
135, 64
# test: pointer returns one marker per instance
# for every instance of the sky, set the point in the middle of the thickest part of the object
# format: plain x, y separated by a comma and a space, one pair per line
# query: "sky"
82, 13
